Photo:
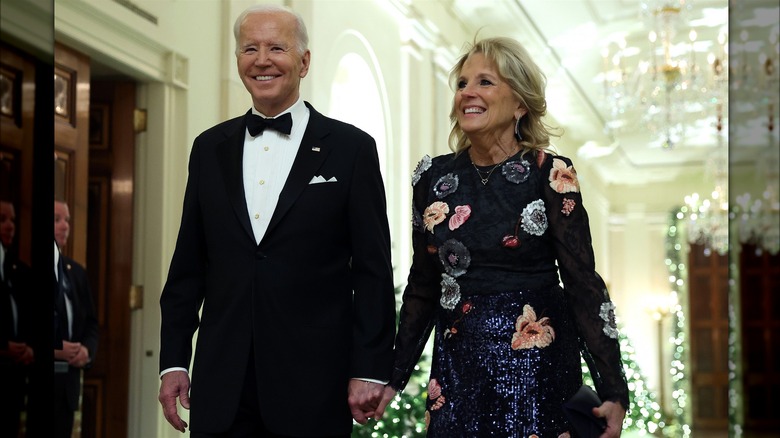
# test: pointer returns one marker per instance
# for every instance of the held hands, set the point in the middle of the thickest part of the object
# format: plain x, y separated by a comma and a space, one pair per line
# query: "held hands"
175, 384
74, 353
363, 398
614, 413
368, 399
388, 394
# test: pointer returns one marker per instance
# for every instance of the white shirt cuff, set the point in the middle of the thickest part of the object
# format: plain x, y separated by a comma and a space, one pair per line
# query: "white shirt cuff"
381, 382
168, 370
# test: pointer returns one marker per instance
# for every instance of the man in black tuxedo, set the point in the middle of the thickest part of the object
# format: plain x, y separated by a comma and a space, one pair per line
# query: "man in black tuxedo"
284, 248
76, 316
16, 355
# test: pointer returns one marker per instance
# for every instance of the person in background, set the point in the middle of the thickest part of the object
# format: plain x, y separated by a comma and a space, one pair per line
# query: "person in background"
495, 224
78, 326
16, 355
282, 262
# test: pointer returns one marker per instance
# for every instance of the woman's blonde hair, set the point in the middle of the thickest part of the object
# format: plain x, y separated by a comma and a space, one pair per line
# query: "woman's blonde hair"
527, 82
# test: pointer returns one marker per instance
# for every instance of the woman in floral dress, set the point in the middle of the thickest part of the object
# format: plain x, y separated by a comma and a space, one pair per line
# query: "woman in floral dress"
495, 224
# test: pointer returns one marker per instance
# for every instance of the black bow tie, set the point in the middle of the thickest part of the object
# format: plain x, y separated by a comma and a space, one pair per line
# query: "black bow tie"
257, 124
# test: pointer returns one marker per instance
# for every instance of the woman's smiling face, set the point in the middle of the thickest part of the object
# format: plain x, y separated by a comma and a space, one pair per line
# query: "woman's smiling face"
484, 102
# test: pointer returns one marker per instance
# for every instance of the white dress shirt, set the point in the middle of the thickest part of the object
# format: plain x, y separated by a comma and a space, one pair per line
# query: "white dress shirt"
267, 161
68, 303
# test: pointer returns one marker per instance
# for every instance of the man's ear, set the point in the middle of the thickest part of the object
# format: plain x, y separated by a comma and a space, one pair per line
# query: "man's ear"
305, 59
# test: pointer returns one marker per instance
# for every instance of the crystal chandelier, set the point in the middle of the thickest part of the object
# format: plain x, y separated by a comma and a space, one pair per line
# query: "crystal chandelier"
708, 218
758, 216
756, 213
673, 88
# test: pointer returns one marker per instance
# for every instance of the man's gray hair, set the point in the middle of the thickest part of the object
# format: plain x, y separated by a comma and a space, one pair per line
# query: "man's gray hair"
301, 35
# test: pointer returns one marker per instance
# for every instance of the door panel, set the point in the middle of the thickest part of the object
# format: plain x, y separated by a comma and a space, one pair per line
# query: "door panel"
708, 318
17, 106
71, 126
759, 274
109, 254
94, 144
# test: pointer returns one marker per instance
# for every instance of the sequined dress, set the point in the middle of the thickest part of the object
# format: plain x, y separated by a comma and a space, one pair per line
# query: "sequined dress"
485, 275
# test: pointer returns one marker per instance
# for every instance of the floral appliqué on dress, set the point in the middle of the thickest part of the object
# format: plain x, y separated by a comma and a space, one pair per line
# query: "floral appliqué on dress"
464, 310
450, 292
446, 185
563, 179
435, 395
435, 214
516, 171
455, 257
422, 166
462, 214
530, 332
568, 206
607, 313
533, 219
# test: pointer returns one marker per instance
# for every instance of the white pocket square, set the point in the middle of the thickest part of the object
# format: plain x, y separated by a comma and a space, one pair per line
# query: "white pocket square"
318, 179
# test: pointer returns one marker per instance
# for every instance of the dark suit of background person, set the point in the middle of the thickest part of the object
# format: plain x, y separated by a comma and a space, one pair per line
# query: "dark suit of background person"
287, 324
80, 335
15, 353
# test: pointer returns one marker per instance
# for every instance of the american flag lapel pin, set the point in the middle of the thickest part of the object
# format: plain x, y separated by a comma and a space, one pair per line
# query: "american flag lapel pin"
316, 148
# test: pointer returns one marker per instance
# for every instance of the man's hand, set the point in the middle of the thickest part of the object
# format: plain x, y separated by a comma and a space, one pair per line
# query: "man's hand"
175, 384
614, 413
363, 398
80, 359
68, 352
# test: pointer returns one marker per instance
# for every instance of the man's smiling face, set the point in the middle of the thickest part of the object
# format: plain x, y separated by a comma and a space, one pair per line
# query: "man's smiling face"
269, 62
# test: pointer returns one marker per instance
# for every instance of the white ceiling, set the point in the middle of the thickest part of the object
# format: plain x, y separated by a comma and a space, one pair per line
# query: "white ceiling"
568, 38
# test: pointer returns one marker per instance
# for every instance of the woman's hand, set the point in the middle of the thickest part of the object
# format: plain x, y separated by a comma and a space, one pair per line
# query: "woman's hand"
387, 396
614, 414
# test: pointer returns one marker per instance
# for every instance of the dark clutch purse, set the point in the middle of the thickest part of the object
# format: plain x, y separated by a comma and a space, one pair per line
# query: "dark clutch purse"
578, 410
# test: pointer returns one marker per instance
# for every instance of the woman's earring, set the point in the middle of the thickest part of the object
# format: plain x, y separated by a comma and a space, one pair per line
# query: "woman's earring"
517, 129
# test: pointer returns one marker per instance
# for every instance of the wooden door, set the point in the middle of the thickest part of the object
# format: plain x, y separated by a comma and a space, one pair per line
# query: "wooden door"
759, 274
17, 107
709, 327
71, 128
17, 99
110, 254
94, 143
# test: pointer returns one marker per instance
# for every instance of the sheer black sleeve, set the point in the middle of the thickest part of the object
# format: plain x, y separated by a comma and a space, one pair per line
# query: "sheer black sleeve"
422, 292
586, 293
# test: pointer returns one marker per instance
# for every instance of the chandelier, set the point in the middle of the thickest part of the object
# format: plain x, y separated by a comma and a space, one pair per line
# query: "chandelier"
708, 217
679, 81
757, 210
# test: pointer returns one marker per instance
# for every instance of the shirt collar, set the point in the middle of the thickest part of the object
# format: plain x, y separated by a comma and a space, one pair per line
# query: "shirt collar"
296, 110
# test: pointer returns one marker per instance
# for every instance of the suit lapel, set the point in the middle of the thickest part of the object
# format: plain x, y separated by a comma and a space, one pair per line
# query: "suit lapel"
230, 161
311, 154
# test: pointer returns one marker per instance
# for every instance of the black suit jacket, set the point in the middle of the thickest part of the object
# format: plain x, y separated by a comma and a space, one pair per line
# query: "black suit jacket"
314, 300
17, 278
84, 330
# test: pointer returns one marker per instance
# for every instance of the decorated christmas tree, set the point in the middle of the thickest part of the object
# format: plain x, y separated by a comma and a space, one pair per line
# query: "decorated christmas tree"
644, 413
